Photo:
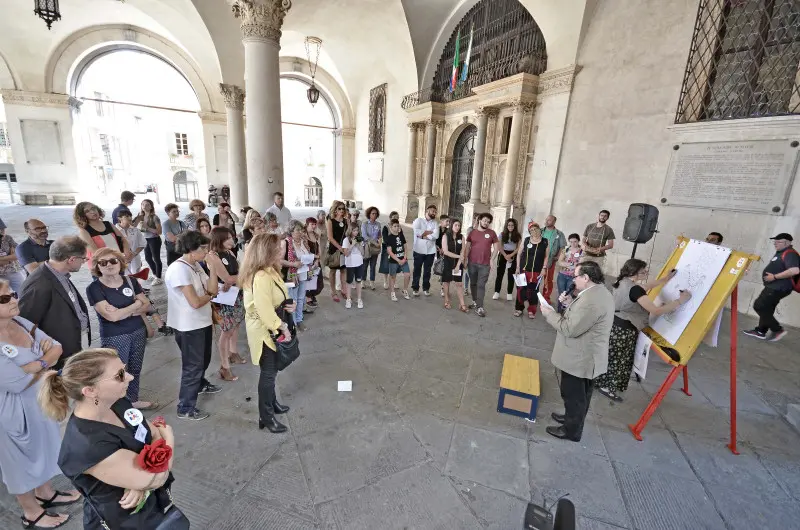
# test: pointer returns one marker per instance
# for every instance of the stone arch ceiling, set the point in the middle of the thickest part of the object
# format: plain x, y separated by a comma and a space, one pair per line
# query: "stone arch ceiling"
27, 45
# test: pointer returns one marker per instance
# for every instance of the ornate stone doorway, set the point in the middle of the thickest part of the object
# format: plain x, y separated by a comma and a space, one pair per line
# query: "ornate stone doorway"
461, 178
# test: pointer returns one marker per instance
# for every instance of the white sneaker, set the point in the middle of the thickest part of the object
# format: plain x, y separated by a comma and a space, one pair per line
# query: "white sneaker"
426, 293
385, 284
360, 303
348, 303
405, 294
416, 293
393, 296
496, 296
441, 292
509, 297
372, 286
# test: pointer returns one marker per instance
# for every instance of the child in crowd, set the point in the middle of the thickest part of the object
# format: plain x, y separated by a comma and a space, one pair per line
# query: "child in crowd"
397, 248
354, 252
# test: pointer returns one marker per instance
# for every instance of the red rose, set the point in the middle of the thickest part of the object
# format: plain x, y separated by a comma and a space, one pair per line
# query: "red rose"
155, 457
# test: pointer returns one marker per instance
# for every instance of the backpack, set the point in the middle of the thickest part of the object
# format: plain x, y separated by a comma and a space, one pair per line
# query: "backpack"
796, 277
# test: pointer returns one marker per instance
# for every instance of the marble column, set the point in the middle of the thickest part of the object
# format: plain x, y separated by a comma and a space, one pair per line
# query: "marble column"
510, 178
430, 160
261, 22
237, 163
409, 208
474, 205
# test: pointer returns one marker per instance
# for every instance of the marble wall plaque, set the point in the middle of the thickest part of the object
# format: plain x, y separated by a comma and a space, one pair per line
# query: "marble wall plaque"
375, 170
754, 176
42, 141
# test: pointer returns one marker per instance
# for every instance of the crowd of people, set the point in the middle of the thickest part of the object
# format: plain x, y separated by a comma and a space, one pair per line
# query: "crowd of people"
268, 276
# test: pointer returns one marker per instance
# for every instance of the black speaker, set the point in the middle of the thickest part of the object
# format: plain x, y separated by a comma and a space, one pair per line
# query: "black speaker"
641, 223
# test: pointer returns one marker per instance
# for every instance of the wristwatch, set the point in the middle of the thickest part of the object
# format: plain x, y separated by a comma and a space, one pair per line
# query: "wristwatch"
43, 364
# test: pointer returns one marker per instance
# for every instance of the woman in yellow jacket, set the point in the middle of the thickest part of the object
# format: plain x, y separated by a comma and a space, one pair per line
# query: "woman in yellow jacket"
264, 291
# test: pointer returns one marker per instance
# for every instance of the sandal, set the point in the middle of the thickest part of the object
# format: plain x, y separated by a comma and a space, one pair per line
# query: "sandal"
336, 298
237, 359
51, 503
610, 394
517, 313
31, 525
226, 375
463, 309
531, 315
447, 305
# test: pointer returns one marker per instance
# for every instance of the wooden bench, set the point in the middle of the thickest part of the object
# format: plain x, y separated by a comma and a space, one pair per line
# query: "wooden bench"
519, 387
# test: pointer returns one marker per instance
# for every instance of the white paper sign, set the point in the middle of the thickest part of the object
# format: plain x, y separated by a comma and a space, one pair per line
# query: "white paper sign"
543, 302
345, 386
520, 280
228, 297
712, 337
641, 355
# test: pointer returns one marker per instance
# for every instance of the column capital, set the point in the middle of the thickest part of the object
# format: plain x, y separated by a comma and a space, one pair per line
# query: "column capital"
557, 81
489, 112
412, 126
261, 19
432, 122
523, 105
212, 117
345, 132
233, 96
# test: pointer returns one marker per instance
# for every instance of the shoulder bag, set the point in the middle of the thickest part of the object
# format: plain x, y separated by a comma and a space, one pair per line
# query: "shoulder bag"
287, 351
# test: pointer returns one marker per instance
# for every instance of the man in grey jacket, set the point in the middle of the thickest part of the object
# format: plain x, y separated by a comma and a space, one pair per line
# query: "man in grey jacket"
581, 348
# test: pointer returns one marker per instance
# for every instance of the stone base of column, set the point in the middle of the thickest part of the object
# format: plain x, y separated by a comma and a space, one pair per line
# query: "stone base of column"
500, 214
409, 209
470, 209
34, 198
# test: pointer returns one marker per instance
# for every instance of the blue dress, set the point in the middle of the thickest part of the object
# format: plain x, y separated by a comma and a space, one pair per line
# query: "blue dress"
29, 440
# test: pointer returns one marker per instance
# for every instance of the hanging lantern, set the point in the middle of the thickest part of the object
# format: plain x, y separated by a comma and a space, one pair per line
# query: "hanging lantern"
314, 43
47, 10
313, 94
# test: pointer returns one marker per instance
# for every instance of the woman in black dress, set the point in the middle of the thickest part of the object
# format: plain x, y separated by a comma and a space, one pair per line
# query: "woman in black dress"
454, 252
336, 228
101, 442
532, 263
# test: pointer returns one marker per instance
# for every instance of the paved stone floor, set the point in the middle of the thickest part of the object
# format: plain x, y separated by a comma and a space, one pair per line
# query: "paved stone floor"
418, 442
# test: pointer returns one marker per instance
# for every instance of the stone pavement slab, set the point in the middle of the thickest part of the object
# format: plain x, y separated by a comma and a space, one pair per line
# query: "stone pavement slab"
397, 451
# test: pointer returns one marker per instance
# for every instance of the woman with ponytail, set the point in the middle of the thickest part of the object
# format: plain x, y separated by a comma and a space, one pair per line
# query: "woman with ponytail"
29, 440
119, 461
632, 311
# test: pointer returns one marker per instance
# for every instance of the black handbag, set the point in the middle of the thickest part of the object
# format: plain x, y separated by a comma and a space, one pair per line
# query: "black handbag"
287, 351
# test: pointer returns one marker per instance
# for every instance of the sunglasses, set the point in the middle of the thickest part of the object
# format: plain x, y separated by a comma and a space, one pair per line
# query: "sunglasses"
104, 262
6, 298
119, 376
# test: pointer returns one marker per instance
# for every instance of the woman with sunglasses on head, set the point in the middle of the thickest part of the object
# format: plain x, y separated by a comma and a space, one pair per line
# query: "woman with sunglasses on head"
150, 225
121, 307
102, 439
222, 260
29, 441
336, 225
96, 232
264, 293
189, 294
253, 224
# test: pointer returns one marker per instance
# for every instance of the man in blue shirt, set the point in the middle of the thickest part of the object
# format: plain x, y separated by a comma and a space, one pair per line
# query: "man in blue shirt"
126, 200
36, 249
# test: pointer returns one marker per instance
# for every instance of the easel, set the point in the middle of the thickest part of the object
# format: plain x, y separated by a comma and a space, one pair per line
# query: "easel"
688, 342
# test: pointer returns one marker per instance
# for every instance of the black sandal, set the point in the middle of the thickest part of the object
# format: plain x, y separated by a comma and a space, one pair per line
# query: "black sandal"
50, 504
610, 394
31, 525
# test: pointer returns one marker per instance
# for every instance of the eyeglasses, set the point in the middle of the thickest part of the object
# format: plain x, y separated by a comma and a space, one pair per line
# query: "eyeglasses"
119, 376
6, 298
38, 228
341, 208
82, 258
105, 262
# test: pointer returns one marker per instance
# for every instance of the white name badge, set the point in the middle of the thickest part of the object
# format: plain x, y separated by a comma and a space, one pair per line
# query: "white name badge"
341, 224
134, 417
141, 433
577, 254
530, 245
224, 261
9, 351
774, 259
127, 291
487, 236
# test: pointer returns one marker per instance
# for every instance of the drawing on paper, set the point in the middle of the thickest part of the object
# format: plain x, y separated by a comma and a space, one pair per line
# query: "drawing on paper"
698, 268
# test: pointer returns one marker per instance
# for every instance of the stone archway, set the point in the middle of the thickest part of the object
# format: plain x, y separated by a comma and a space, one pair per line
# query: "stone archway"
184, 186
75, 53
463, 160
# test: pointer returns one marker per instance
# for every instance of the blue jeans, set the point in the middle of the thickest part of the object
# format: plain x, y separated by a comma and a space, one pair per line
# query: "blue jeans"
370, 264
562, 282
299, 294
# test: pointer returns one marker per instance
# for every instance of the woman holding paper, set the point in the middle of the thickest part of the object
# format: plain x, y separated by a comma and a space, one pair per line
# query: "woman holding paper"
532, 263
455, 254
222, 261
632, 311
294, 268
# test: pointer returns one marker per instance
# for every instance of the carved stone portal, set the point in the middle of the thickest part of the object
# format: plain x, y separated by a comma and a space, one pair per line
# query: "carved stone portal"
377, 119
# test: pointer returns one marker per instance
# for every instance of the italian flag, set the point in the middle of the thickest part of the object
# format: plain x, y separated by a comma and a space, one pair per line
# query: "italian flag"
456, 60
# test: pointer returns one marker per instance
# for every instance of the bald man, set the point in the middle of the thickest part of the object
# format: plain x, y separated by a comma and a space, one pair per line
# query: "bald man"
36, 249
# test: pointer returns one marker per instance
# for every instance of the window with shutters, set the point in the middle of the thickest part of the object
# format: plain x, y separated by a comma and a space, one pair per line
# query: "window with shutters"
181, 144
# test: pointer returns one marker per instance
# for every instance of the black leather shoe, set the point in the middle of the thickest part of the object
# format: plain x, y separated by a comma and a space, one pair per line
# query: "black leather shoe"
558, 418
272, 425
278, 408
560, 432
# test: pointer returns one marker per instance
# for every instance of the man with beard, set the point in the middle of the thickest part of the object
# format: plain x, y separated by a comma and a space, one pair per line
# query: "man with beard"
36, 249
426, 232
480, 259
597, 238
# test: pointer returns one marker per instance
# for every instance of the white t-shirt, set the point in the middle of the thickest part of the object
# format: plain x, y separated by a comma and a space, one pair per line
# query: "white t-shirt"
355, 259
135, 240
180, 315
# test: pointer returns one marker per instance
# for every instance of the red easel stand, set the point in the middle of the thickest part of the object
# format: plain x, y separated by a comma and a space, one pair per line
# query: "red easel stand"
637, 428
